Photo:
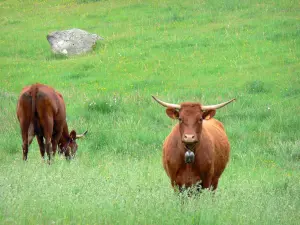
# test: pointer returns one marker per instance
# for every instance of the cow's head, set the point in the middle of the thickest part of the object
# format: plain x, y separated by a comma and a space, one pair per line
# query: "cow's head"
68, 145
190, 117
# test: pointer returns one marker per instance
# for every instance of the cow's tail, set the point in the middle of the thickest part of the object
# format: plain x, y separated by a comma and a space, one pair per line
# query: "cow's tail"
33, 91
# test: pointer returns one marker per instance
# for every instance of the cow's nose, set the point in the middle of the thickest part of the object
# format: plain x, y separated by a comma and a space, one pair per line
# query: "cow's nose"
189, 138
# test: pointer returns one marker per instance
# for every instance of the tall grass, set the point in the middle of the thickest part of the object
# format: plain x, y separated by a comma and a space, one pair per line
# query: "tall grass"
187, 51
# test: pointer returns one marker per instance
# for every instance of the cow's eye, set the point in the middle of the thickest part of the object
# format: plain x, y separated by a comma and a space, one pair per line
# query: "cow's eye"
200, 120
180, 120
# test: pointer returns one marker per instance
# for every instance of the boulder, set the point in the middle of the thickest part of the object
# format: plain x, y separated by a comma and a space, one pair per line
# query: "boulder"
72, 42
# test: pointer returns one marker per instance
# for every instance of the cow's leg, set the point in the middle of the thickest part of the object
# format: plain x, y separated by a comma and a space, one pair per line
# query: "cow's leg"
206, 181
214, 183
54, 144
48, 130
199, 186
30, 133
178, 188
54, 147
24, 116
40, 140
24, 130
25, 145
55, 138
48, 147
175, 186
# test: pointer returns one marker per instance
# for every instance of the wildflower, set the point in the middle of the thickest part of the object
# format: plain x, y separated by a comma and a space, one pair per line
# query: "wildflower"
92, 103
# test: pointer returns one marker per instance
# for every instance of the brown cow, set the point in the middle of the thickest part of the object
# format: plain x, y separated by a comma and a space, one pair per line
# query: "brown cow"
41, 112
197, 149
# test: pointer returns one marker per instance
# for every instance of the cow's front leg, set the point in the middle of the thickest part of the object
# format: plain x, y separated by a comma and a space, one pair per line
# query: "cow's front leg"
55, 140
206, 182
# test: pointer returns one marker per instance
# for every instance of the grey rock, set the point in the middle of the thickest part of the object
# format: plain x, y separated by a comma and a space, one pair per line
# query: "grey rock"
72, 42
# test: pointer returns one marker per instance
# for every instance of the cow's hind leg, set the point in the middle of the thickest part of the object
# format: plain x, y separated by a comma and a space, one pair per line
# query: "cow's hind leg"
24, 117
40, 140
25, 145
24, 130
48, 147
47, 125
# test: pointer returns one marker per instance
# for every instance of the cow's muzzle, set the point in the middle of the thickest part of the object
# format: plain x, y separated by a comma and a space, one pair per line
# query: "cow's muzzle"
189, 156
189, 139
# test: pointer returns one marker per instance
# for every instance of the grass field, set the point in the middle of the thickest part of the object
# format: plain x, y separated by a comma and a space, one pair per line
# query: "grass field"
207, 51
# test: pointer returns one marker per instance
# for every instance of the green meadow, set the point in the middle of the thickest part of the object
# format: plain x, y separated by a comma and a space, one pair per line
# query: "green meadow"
203, 51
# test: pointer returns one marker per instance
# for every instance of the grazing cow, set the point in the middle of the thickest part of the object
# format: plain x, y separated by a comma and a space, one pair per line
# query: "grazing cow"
41, 112
197, 149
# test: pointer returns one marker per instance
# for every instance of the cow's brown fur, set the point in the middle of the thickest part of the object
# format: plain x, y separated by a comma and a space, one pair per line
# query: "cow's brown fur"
211, 150
41, 112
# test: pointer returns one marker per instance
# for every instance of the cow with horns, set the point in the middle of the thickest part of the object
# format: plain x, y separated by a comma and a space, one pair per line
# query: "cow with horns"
197, 149
41, 112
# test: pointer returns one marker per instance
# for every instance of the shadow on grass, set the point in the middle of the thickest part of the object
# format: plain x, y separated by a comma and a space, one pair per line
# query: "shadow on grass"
53, 56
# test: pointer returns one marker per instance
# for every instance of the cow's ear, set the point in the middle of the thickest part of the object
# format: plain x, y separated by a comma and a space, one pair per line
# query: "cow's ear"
172, 113
208, 114
73, 134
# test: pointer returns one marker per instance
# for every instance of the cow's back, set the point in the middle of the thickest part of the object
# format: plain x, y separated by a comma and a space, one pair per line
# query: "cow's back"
46, 100
39, 102
221, 144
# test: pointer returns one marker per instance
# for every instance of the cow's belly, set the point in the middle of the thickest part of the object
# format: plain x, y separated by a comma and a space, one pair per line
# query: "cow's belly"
187, 177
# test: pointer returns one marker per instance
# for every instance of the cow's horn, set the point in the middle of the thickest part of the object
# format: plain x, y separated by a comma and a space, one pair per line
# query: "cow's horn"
81, 135
211, 107
165, 104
